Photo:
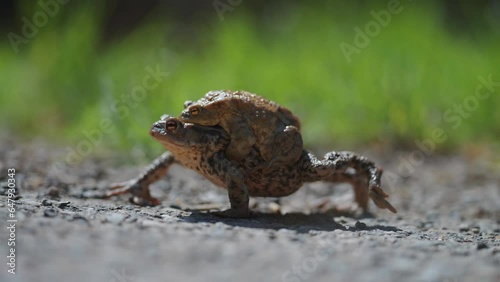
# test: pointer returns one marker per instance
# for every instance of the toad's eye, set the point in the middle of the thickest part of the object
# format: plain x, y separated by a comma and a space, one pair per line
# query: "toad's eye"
194, 111
171, 125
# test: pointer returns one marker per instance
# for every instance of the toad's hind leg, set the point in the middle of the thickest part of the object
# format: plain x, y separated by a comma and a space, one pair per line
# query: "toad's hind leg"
283, 147
139, 186
366, 177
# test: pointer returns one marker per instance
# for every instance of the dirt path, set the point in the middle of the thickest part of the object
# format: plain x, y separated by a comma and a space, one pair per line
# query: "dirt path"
447, 228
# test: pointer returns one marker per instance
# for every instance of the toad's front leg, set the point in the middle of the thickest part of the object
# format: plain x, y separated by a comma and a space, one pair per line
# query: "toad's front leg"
139, 186
233, 179
241, 144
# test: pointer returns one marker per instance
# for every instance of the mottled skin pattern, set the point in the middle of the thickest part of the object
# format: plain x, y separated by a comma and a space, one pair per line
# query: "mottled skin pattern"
250, 120
202, 149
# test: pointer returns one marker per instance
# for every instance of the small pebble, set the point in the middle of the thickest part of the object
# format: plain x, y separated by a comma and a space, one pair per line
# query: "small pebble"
342, 221
360, 225
463, 227
46, 203
482, 245
80, 218
93, 194
63, 205
115, 217
50, 212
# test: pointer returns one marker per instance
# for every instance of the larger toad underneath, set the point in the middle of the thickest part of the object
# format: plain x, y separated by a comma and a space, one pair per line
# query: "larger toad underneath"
203, 148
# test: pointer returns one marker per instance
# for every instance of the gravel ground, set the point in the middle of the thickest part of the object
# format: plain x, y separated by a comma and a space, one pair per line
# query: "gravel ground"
447, 227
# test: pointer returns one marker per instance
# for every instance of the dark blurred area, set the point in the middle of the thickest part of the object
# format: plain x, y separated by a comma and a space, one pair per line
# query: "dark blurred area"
352, 74
120, 17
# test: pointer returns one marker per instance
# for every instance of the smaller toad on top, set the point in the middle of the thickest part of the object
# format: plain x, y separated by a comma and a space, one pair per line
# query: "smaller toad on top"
250, 120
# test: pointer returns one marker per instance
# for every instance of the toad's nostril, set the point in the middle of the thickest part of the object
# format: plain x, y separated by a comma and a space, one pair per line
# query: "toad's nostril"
159, 125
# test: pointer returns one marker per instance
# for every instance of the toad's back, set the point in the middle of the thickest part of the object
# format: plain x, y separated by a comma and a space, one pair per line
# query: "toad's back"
256, 109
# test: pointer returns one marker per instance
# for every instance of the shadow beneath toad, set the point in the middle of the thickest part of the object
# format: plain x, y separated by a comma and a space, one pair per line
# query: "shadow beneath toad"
298, 222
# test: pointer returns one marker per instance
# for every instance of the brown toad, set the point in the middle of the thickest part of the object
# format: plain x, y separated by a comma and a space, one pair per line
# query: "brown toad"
250, 120
201, 148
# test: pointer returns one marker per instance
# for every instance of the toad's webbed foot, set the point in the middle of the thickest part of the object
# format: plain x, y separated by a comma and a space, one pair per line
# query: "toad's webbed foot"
138, 189
364, 166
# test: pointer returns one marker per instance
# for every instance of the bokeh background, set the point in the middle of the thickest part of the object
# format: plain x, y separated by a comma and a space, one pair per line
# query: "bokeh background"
84, 61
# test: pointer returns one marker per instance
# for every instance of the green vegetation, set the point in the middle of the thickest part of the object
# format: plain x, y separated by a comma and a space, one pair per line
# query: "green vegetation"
396, 90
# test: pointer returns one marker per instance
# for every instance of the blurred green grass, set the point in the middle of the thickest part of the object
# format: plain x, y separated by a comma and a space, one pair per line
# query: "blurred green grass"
395, 91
